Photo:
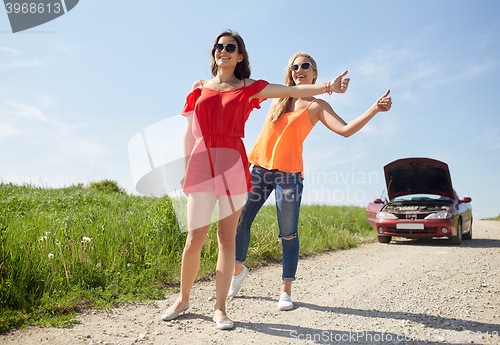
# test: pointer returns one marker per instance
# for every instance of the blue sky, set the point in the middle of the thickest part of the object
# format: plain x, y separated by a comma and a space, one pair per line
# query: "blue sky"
76, 90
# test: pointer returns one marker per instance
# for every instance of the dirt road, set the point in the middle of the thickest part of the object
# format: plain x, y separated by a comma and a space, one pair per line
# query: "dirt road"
407, 292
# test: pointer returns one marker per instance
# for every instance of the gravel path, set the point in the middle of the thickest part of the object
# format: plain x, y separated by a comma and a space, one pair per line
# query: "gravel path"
407, 292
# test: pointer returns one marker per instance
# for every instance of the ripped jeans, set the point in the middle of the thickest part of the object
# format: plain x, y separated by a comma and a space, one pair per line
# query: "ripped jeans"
288, 193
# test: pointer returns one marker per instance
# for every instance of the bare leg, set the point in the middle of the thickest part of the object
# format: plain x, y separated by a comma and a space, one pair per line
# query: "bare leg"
225, 264
237, 268
200, 207
287, 287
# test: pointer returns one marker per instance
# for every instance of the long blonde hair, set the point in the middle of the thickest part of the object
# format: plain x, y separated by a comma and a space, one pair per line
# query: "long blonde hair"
283, 104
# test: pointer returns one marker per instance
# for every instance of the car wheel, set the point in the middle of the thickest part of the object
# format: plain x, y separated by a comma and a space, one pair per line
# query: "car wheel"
384, 239
468, 236
457, 240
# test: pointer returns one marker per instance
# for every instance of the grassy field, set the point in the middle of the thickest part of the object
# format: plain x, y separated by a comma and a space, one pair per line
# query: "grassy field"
64, 250
494, 218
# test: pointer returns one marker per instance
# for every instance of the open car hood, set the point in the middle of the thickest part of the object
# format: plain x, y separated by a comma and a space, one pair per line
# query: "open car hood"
418, 176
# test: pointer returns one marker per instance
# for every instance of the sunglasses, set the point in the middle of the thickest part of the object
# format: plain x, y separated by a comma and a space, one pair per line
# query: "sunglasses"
305, 66
230, 48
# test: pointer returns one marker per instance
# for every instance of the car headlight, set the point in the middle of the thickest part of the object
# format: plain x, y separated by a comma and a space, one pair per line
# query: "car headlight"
439, 215
386, 215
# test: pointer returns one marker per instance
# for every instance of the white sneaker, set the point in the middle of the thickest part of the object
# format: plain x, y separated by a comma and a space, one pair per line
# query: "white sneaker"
236, 282
285, 302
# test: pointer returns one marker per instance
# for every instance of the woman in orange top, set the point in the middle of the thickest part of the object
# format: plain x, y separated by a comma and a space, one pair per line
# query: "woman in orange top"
277, 159
216, 161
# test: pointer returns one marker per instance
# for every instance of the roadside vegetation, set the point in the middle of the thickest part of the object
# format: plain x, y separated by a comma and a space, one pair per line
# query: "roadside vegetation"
69, 249
494, 218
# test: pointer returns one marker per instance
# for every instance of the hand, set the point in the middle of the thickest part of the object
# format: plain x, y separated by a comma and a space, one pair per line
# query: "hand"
384, 103
339, 84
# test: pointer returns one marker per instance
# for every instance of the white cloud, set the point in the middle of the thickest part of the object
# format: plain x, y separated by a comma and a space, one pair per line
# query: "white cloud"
83, 147
27, 112
406, 67
461, 72
369, 130
9, 50
37, 114
459, 117
325, 159
23, 63
7, 131
491, 138
406, 95
48, 101
398, 68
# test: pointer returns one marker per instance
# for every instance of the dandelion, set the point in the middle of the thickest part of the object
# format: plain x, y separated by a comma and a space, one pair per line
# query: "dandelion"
83, 248
51, 257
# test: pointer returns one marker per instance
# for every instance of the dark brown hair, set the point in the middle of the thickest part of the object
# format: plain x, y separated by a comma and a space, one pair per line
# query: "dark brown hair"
242, 69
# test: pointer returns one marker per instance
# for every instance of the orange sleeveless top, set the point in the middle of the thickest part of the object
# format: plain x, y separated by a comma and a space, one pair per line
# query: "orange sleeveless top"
280, 145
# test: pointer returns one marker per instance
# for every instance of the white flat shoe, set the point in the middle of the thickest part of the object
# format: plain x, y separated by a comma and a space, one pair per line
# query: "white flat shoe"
223, 324
166, 316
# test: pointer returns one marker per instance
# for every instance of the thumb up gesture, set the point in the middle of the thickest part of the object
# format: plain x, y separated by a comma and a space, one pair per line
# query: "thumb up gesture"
339, 84
384, 103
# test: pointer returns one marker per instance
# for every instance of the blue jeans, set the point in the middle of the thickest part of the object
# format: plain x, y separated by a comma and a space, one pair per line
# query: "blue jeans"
288, 192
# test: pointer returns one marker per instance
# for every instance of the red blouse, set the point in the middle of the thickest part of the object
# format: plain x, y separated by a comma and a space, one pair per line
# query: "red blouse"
218, 161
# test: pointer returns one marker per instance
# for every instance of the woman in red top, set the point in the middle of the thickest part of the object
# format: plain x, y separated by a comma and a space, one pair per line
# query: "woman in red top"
277, 159
216, 161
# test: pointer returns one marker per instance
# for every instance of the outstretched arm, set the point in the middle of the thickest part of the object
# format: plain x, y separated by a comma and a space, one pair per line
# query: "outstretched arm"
338, 85
335, 123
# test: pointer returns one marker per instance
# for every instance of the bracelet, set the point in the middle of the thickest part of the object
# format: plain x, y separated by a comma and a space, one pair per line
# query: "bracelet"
327, 89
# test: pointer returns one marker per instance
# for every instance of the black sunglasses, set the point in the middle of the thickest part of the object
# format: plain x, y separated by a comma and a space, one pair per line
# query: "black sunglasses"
230, 48
305, 66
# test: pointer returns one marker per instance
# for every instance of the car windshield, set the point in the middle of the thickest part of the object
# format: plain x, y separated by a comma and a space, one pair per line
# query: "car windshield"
421, 197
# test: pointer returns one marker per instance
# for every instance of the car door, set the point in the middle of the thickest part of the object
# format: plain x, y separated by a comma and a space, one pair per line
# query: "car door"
372, 209
465, 210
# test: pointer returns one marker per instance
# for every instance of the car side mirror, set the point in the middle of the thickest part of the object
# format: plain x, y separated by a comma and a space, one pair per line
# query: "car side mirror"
378, 201
466, 199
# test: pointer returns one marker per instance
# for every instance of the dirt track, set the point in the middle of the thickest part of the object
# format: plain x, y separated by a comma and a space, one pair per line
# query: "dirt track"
374, 294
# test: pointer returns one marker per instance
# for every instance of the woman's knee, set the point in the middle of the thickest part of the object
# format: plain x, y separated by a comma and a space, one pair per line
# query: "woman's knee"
226, 238
195, 240
288, 237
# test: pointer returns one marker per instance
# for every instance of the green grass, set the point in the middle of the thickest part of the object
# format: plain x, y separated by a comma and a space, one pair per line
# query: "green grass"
494, 218
64, 250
